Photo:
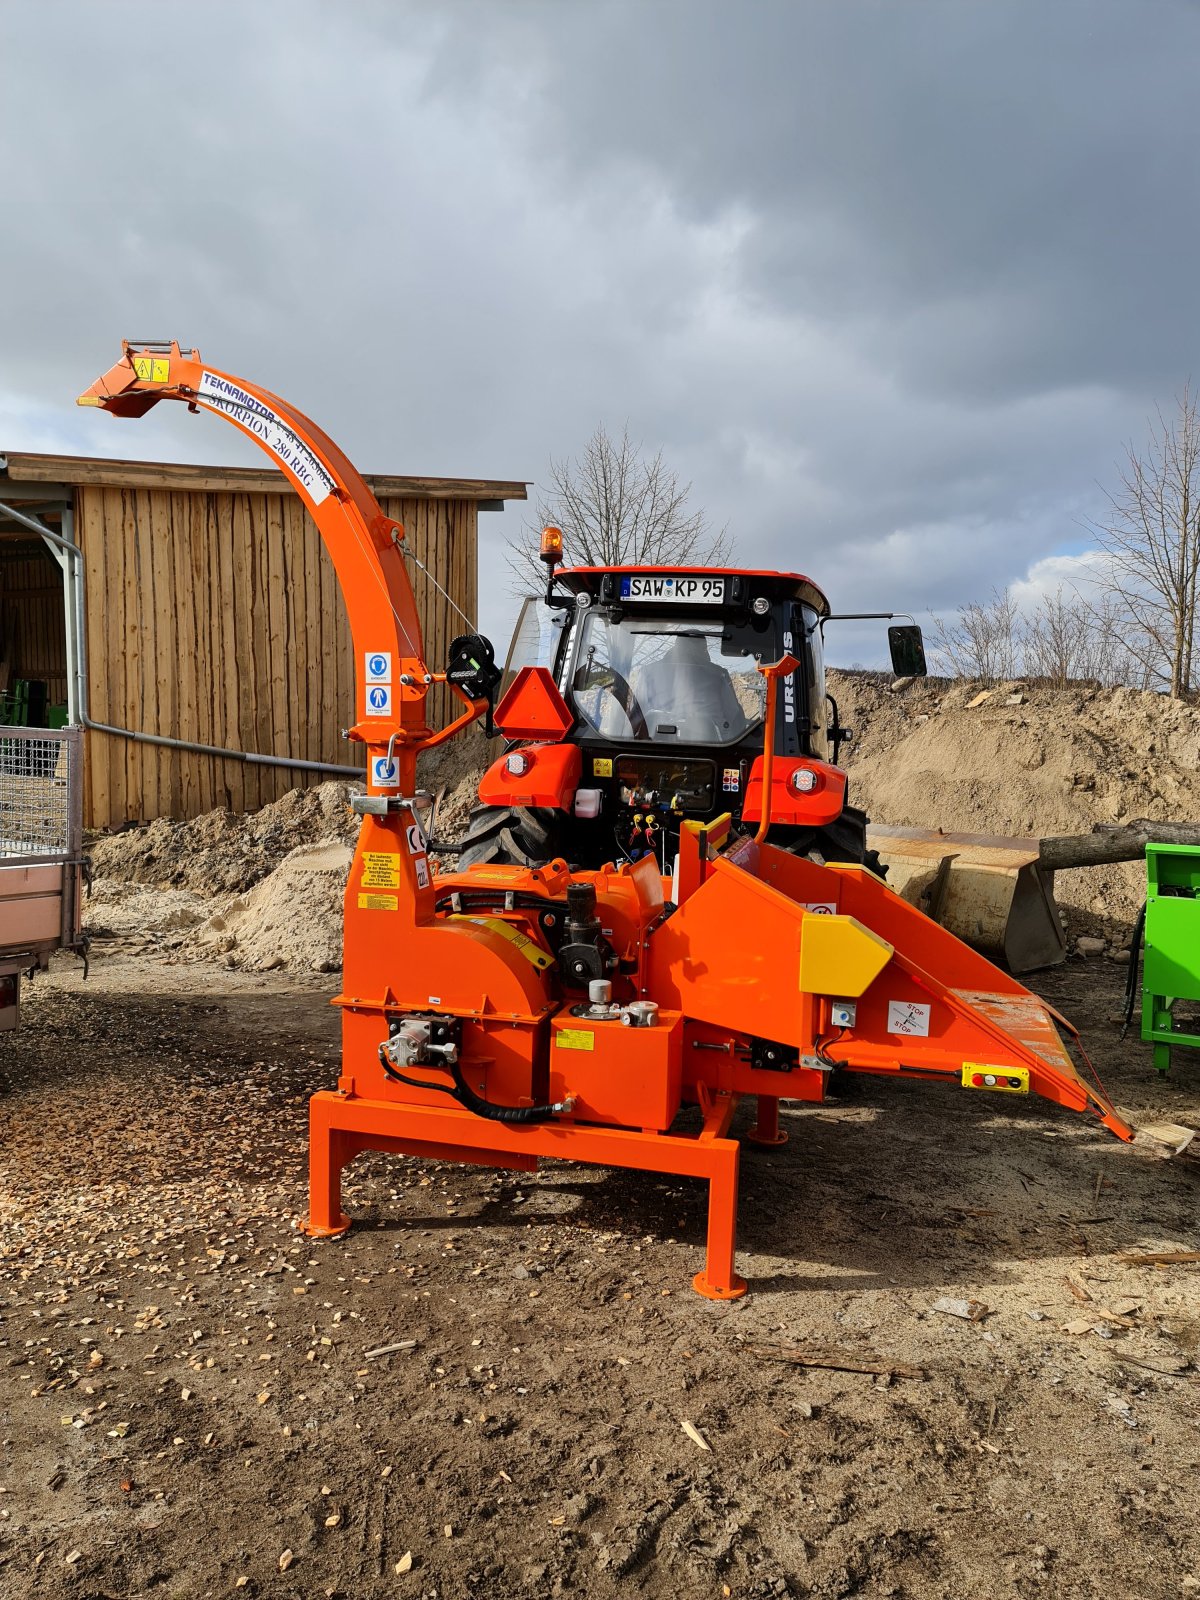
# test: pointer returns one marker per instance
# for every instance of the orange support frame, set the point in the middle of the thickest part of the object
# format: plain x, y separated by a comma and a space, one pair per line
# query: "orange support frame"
340, 1127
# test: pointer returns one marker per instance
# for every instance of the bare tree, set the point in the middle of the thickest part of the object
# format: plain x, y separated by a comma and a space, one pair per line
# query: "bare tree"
983, 642
617, 507
1069, 638
1152, 539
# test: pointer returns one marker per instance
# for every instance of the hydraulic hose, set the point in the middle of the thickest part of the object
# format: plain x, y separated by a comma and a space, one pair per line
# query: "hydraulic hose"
467, 1098
1131, 976
461, 1091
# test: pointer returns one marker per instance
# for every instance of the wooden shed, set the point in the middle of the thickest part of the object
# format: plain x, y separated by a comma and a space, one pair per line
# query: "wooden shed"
211, 615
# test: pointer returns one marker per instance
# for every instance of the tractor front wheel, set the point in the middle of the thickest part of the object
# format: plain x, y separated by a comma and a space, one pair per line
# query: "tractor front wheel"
844, 839
525, 836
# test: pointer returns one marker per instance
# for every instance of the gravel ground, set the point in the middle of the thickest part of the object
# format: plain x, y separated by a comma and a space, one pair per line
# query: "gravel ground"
188, 1406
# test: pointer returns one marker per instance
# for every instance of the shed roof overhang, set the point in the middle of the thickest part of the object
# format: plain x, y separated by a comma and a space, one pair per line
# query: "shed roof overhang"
21, 474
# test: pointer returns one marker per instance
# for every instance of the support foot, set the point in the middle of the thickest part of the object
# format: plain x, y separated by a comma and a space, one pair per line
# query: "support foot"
715, 1291
766, 1133
317, 1230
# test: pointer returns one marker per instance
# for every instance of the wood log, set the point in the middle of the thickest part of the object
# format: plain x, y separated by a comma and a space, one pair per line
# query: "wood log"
1108, 843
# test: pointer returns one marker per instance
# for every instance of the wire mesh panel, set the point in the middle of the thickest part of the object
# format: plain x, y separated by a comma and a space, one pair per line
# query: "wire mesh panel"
40, 793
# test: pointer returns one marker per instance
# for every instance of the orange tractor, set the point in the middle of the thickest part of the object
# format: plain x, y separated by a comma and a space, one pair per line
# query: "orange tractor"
665, 705
502, 1014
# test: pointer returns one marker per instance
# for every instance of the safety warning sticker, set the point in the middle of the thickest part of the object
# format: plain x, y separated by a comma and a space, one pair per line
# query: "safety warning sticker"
385, 772
381, 870
731, 779
379, 700
378, 666
907, 1017
574, 1039
820, 908
602, 767
421, 868
416, 844
280, 438
152, 369
378, 902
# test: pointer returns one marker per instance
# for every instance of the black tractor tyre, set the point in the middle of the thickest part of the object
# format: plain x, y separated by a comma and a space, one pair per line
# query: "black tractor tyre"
518, 836
843, 839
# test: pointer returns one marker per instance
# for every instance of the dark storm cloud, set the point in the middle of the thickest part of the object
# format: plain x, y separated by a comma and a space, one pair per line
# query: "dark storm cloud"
889, 283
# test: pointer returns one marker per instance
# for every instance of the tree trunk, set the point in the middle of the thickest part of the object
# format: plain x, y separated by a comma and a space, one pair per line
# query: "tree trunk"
1109, 844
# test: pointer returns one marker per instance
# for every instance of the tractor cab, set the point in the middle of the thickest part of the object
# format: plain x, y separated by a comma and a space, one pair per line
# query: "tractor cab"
658, 672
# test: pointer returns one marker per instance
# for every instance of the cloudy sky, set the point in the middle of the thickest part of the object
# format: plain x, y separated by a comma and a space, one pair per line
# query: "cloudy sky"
890, 283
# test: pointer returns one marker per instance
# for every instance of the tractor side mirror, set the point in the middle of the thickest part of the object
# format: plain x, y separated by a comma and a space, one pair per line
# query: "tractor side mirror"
907, 650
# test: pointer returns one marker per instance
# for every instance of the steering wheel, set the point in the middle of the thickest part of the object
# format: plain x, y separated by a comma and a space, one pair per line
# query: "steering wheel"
618, 686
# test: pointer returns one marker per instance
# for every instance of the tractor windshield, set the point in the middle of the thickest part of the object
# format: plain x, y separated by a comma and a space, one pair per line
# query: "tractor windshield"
665, 682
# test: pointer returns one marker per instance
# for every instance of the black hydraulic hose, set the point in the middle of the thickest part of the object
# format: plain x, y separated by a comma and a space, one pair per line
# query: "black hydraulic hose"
1131, 977
461, 1091
467, 1098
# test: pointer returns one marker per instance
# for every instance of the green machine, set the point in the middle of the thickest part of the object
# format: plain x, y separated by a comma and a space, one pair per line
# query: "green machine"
1171, 964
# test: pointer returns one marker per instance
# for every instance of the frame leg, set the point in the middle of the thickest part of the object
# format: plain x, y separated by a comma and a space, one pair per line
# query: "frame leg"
766, 1132
328, 1152
1162, 1057
719, 1281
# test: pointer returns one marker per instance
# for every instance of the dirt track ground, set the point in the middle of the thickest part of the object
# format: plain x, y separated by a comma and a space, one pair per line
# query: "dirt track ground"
184, 1396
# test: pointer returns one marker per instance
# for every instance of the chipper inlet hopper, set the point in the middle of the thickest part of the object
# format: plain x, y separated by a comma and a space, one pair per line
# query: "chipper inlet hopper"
506, 1014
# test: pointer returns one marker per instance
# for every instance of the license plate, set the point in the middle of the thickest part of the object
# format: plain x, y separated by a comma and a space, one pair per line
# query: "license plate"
678, 588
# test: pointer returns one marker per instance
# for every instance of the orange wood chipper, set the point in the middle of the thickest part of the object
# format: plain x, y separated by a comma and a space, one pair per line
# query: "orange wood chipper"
503, 1013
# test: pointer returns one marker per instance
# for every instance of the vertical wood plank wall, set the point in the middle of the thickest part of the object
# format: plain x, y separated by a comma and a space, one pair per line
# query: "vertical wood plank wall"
216, 618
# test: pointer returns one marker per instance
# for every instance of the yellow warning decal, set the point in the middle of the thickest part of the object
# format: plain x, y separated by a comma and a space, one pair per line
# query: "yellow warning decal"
601, 766
378, 902
1010, 1080
575, 1039
381, 870
152, 369
529, 948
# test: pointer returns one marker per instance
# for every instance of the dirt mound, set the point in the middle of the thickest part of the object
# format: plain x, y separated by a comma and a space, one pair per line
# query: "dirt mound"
1025, 761
221, 853
291, 919
166, 885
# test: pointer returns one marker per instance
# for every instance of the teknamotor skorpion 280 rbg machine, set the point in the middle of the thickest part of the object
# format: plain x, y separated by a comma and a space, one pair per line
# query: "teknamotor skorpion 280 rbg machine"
504, 1014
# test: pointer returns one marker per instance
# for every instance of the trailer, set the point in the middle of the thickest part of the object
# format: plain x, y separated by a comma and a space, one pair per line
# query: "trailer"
41, 780
41, 854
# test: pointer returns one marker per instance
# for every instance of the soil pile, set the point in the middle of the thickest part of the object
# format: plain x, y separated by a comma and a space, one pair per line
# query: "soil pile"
291, 919
264, 890
220, 853
1025, 761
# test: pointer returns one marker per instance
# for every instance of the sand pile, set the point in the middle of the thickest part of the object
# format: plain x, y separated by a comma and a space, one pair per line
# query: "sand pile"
292, 918
220, 853
1026, 761
263, 890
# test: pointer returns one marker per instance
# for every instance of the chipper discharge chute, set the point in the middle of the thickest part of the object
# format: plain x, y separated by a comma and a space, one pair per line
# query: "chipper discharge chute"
504, 1013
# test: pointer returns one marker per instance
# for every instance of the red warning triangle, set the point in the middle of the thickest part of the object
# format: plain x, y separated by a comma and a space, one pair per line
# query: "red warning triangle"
532, 708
